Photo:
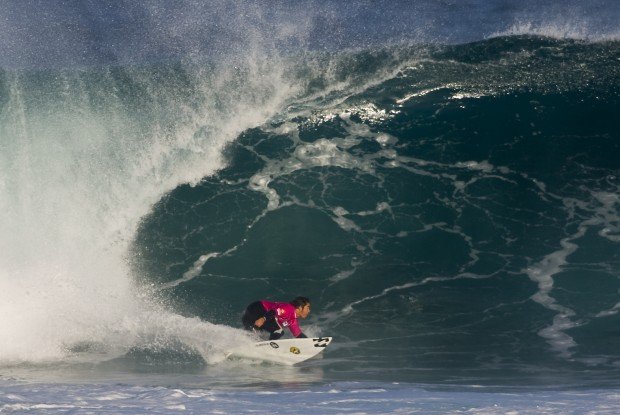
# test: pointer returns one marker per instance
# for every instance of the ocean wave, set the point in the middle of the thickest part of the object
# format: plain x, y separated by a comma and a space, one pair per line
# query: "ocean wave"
443, 206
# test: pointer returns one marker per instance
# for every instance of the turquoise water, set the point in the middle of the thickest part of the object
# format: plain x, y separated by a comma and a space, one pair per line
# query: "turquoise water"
449, 202
443, 207
461, 211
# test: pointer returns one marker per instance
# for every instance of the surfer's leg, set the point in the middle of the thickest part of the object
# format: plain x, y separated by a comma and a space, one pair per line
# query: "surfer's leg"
271, 325
275, 335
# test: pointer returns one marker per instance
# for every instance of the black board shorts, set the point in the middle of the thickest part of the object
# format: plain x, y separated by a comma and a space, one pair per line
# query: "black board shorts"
255, 311
252, 313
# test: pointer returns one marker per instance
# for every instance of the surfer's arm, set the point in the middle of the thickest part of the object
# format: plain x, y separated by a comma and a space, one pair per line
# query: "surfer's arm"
295, 330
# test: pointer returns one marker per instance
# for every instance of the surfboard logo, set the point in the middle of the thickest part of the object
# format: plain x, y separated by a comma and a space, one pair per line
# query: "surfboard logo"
321, 341
295, 350
274, 345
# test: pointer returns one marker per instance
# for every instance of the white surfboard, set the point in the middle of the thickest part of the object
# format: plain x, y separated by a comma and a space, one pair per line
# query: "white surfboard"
285, 351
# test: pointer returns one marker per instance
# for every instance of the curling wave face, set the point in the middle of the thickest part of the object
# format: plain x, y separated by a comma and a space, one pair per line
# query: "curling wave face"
456, 208
443, 206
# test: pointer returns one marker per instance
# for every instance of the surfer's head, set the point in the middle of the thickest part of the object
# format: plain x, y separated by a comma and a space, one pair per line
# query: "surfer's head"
302, 306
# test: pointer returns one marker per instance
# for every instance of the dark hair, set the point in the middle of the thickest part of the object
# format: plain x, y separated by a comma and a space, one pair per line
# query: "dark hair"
300, 301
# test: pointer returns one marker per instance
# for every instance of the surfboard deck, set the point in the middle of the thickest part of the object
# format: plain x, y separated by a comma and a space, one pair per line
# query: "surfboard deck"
284, 351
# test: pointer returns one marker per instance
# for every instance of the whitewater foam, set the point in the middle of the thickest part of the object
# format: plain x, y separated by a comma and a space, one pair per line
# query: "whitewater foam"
82, 166
566, 29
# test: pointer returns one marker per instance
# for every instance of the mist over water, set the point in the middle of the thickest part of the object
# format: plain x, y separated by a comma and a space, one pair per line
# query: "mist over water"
85, 154
39, 34
161, 165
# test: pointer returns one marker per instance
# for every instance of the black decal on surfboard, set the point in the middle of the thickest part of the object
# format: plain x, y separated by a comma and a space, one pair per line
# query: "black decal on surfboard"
321, 342
274, 345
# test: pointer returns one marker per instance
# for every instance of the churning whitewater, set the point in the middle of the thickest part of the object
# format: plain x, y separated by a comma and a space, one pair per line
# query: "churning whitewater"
449, 200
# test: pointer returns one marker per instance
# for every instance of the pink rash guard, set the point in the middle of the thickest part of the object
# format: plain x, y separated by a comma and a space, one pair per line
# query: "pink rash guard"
285, 315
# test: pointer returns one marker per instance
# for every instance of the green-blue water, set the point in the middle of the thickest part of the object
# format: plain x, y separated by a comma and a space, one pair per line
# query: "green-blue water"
452, 211
441, 178
456, 217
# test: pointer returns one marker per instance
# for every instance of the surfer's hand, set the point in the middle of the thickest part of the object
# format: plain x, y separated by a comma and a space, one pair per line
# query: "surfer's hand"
259, 323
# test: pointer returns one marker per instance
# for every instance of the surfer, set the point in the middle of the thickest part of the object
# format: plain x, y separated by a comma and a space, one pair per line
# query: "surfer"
273, 317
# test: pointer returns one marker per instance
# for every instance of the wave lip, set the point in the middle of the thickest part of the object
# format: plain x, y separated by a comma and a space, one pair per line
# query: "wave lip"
560, 30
